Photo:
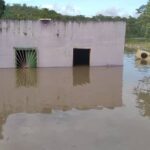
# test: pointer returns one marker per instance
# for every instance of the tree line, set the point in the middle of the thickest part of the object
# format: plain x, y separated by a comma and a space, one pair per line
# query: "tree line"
136, 26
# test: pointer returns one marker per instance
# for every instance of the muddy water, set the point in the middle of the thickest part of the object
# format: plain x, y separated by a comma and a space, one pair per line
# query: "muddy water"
81, 108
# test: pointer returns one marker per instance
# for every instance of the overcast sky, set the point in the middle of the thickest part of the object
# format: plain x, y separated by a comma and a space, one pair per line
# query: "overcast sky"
87, 7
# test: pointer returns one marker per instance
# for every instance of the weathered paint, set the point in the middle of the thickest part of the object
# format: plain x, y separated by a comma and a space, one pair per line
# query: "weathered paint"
54, 41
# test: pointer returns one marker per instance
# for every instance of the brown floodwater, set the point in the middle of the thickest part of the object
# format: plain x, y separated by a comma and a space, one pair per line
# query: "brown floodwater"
81, 108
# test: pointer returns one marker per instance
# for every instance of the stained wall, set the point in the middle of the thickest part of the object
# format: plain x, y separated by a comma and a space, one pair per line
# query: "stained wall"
54, 41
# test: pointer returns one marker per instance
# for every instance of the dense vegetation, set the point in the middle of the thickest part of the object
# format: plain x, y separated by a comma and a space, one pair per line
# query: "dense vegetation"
25, 12
136, 27
140, 26
2, 7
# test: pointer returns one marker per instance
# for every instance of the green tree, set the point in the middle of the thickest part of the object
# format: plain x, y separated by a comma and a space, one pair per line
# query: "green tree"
2, 7
24, 12
145, 13
147, 31
141, 9
134, 28
144, 19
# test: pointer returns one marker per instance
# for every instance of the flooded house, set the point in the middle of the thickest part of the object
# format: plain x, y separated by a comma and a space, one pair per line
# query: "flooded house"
48, 43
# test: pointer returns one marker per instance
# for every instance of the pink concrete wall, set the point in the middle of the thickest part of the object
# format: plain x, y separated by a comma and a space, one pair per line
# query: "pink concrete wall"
55, 41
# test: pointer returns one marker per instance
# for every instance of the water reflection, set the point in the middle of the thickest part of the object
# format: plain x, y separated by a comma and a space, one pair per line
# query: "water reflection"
26, 77
142, 92
142, 63
137, 79
81, 75
58, 89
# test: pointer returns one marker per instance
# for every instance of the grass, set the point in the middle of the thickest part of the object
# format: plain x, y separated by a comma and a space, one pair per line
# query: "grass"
135, 43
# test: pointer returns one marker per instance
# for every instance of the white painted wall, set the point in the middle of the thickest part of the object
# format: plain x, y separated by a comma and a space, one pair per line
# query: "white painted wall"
105, 39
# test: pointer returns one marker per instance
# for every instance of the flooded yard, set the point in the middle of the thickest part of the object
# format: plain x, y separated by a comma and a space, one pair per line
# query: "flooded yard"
80, 108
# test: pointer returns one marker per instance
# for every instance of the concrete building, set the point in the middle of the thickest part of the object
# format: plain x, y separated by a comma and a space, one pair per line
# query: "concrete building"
47, 43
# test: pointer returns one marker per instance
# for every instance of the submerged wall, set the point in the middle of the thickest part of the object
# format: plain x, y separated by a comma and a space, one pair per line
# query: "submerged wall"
54, 42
